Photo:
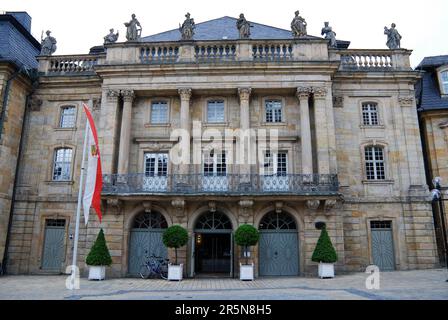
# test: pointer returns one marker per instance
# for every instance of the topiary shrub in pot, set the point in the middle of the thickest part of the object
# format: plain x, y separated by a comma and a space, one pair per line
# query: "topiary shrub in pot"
246, 236
325, 255
175, 237
98, 258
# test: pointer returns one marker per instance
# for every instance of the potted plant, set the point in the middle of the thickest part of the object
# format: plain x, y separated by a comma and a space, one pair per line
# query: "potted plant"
325, 255
175, 237
246, 236
98, 258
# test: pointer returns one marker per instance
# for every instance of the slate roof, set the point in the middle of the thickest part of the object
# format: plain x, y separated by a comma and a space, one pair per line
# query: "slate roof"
428, 89
218, 29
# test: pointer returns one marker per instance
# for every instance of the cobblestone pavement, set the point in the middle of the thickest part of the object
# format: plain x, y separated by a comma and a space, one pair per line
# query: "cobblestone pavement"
423, 284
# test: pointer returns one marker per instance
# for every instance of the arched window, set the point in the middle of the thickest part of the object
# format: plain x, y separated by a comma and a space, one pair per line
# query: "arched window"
150, 220
62, 164
68, 117
277, 221
375, 163
370, 114
213, 221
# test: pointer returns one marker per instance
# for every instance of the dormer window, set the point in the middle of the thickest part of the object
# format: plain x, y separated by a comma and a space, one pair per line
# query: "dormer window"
444, 81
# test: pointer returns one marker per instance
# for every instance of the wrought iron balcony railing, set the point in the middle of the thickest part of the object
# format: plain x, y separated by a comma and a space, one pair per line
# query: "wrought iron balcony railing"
231, 184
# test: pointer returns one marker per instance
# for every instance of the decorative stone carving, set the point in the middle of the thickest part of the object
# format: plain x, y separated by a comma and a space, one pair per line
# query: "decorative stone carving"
393, 37
338, 101
320, 92
246, 206
313, 204
96, 104
34, 104
111, 37
115, 204
212, 206
329, 35
132, 32
147, 205
244, 93
243, 27
279, 207
185, 93
48, 45
330, 204
406, 101
298, 26
443, 125
128, 95
303, 92
113, 95
187, 28
179, 206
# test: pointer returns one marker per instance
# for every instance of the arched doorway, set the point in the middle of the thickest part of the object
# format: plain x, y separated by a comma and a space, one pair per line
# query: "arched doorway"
146, 239
279, 247
213, 245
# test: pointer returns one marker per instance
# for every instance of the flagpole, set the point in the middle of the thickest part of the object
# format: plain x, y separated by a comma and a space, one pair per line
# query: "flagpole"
78, 209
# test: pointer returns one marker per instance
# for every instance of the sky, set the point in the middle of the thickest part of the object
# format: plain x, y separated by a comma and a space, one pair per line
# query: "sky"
81, 24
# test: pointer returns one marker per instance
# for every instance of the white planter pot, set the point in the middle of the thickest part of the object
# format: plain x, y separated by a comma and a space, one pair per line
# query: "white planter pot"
326, 270
97, 272
247, 272
175, 272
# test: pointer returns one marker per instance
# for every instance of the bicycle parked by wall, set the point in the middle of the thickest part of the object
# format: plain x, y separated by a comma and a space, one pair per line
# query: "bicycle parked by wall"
154, 267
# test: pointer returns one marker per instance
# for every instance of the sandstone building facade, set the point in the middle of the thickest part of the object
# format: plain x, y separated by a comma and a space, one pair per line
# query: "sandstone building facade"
348, 154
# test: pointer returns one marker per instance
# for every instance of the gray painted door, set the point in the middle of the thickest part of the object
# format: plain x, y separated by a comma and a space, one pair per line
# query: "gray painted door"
383, 249
143, 243
279, 253
53, 252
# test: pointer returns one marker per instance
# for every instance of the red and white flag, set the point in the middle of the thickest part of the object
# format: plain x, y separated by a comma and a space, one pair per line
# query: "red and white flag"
94, 176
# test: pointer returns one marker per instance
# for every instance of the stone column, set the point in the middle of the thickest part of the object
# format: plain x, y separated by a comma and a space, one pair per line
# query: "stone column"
244, 94
303, 94
108, 129
185, 124
322, 138
125, 135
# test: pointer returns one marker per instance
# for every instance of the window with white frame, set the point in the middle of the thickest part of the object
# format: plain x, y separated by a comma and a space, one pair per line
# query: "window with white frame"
370, 114
67, 117
159, 112
215, 164
274, 112
275, 163
444, 78
62, 164
156, 164
375, 163
215, 111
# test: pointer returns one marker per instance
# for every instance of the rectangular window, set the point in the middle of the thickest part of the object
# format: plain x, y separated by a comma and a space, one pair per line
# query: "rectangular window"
275, 163
159, 112
156, 164
374, 160
370, 114
215, 111
55, 223
67, 119
215, 164
444, 77
62, 164
274, 111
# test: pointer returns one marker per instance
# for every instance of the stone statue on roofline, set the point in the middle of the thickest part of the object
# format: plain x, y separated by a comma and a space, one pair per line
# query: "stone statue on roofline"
187, 28
393, 37
111, 37
329, 34
133, 33
298, 26
243, 27
48, 44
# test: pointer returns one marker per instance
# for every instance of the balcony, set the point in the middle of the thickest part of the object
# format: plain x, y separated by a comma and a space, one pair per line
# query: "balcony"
231, 184
231, 52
